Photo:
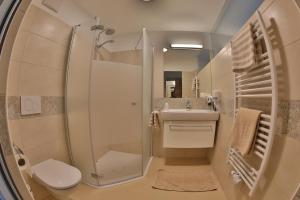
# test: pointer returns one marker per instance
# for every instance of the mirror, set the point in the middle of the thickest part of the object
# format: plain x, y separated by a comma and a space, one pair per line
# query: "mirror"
181, 67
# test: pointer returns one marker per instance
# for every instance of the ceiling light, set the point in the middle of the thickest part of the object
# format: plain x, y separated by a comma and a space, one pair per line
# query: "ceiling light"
186, 46
165, 50
146, 0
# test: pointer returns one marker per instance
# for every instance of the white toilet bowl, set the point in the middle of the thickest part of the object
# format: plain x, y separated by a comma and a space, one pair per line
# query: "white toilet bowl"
56, 175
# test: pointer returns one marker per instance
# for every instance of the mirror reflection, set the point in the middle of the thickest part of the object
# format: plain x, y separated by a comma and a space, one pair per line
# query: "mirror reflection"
183, 73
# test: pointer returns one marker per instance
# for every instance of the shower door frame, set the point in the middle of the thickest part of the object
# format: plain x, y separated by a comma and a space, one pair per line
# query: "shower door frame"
92, 174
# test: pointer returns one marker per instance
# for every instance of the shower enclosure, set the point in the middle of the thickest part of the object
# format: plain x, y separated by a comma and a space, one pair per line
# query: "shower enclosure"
108, 102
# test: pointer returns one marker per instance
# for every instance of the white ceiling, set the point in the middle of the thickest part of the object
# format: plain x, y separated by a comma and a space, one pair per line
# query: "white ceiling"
160, 15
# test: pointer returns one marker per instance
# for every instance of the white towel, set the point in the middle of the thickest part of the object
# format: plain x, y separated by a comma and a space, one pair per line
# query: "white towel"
243, 51
196, 87
154, 119
244, 130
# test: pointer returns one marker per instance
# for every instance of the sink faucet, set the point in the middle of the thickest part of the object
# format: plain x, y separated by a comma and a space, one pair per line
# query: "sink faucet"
188, 105
211, 101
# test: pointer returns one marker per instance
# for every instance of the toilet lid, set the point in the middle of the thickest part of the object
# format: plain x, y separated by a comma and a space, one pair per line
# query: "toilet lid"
56, 174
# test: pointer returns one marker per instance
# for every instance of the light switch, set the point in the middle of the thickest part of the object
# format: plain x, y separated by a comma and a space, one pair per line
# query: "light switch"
31, 105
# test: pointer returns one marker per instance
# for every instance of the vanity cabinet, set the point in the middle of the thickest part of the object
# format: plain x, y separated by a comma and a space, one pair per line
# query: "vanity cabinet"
189, 134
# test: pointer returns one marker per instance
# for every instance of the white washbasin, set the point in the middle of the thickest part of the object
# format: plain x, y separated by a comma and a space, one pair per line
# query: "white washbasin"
192, 114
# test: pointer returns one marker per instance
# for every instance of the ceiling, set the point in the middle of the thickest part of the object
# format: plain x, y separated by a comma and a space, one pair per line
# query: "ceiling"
128, 16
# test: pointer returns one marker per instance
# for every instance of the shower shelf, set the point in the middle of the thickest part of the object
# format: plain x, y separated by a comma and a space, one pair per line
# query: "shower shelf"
260, 83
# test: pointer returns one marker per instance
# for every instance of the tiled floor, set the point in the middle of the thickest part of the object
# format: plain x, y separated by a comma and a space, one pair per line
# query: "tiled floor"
141, 189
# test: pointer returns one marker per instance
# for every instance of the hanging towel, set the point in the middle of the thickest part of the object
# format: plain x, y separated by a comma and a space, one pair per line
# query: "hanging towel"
243, 51
196, 87
244, 130
154, 119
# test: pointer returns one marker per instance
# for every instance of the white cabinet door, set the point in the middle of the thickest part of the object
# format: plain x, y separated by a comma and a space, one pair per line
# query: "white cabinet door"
189, 134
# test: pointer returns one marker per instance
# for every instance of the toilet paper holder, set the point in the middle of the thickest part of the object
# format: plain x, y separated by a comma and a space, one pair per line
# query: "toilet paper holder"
19, 152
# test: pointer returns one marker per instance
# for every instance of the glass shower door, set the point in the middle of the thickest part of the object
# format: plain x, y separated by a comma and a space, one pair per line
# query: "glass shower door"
77, 101
107, 108
116, 120
147, 98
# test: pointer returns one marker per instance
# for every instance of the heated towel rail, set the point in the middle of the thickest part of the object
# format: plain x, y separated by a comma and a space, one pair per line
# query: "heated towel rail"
258, 83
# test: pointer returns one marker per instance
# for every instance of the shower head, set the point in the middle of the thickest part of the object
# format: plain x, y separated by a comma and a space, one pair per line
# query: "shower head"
102, 44
97, 27
109, 31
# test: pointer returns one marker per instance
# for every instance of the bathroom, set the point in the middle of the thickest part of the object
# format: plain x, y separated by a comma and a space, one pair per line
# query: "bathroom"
106, 99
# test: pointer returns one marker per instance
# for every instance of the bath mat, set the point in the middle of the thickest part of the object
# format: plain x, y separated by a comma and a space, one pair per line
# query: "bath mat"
192, 180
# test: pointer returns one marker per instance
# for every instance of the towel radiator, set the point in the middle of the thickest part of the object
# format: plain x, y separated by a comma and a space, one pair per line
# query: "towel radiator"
260, 83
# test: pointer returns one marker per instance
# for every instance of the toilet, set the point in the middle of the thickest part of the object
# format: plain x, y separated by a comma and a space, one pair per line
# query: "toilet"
56, 175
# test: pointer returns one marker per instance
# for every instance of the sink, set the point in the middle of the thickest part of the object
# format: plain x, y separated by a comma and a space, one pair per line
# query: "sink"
192, 114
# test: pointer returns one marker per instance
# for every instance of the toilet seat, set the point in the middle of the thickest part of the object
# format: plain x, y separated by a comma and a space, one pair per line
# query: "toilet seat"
56, 174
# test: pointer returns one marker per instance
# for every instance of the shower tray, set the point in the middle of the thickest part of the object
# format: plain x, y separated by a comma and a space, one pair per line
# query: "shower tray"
115, 166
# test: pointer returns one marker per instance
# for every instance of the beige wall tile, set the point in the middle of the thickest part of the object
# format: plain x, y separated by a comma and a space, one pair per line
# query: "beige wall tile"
187, 80
8, 46
50, 27
42, 129
133, 57
286, 16
205, 79
43, 52
103, 54
41, 137
158, 74
293, 70
35, 80
221, 65
19, 45
40, 153
14, 130
286, 177
28, 19
13, 78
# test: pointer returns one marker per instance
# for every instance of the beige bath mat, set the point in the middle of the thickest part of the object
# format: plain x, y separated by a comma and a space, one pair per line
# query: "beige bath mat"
185, 180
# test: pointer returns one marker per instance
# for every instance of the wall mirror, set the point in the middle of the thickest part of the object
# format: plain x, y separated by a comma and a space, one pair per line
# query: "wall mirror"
181, 67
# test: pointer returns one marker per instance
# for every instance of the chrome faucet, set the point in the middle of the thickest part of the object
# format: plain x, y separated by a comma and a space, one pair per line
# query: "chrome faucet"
211, 101
188, 105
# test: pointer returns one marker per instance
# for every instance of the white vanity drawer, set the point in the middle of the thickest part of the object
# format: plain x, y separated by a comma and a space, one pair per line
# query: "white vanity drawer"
189, 134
